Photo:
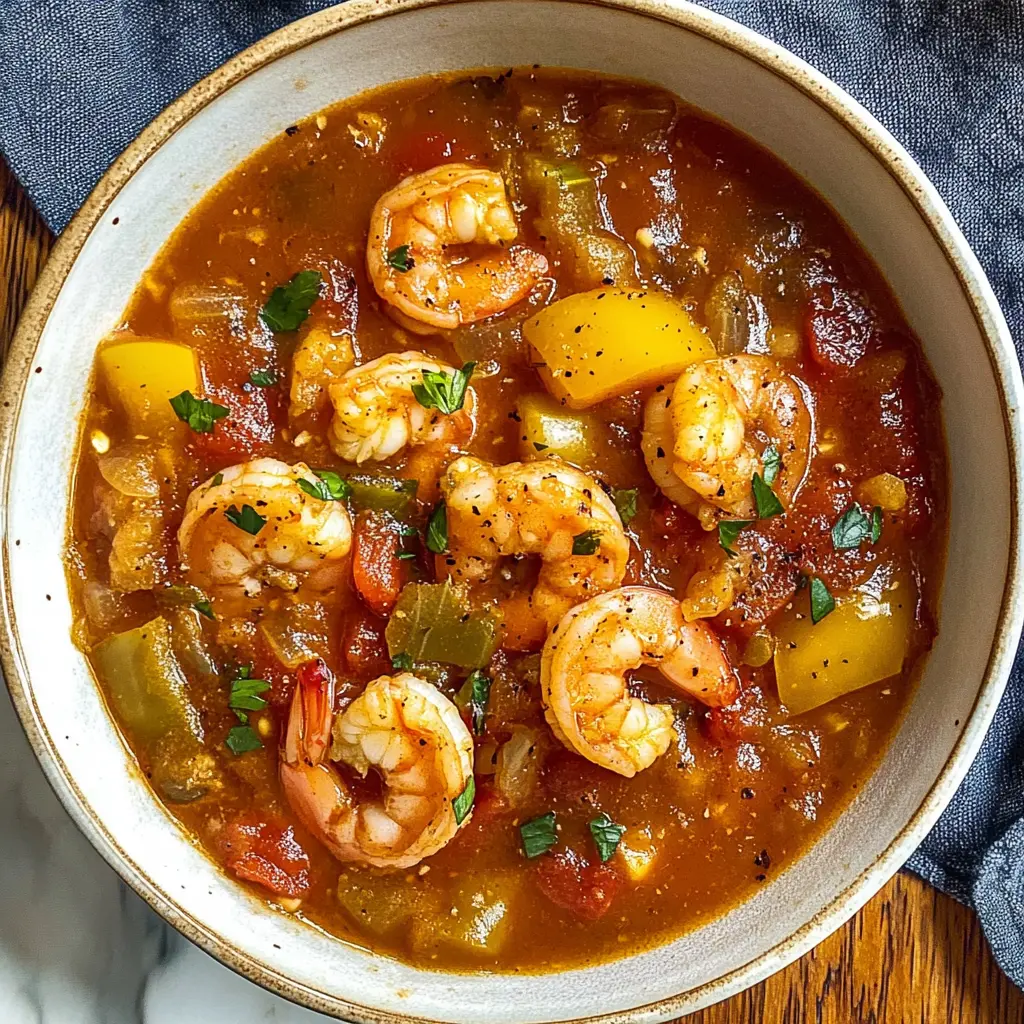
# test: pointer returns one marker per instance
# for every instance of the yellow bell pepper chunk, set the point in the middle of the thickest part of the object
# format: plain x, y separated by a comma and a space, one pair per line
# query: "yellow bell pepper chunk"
142, 375
863, 641
610, 341
546, 429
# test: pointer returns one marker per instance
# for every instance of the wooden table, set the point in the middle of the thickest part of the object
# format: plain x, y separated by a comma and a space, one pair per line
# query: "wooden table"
911, 956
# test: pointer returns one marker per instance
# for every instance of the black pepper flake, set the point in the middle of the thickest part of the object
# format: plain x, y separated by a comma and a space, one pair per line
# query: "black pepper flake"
291, 129
762, 860
747, 793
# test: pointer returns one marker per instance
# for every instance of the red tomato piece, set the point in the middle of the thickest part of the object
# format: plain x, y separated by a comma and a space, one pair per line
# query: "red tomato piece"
248, 430
574, 884
365, 650
379, 574
839, 328
265, 851
742, 722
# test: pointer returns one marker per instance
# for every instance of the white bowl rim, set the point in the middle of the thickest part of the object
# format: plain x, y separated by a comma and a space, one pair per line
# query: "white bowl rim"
977, 291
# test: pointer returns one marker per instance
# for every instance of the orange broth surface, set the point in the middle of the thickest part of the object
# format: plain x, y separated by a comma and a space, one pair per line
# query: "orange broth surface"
760, 262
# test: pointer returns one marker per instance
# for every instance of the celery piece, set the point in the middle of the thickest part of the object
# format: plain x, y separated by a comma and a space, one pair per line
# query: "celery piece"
432, 622
382, 493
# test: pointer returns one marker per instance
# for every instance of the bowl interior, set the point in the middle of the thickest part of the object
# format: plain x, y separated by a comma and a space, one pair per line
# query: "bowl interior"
704, 64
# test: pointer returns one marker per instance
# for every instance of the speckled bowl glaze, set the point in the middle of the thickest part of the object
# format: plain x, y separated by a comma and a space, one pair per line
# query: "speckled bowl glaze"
716, 65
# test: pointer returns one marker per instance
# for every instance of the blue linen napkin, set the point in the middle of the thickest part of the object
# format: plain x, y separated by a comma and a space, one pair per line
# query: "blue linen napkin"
80, 78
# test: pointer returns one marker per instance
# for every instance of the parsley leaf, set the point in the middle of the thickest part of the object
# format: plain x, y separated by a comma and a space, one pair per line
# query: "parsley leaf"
766, 500
199, 413
288, 305
245, 692
822, 602
772, 461
728, 531
625, 504
204, 608
335, 487
262, 378
586, 543
437, 530
538, 835
400, 259
241, 739
248, 519
474, 695
445, 392
402, 662
217, 480
851, 528
876, 524
463, 803
606, 835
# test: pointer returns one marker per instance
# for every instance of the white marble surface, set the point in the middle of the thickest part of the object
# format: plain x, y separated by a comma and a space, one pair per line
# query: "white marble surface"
76, 945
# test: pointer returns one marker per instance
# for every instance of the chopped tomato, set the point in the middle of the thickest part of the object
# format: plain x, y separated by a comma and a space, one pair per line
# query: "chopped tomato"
248, 430
574, 884
839, 327
364, 648
379, 574
265, 851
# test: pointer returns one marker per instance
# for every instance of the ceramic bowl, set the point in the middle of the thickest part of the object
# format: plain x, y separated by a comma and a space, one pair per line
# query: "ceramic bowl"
716, 65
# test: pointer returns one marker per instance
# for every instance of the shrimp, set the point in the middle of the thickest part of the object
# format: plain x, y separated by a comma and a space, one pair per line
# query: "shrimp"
583, 670
404, 729
415, 226
376, 413
704, 441
285, 532
541, 508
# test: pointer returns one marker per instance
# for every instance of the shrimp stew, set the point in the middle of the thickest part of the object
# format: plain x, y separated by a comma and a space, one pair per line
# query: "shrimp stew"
509, 520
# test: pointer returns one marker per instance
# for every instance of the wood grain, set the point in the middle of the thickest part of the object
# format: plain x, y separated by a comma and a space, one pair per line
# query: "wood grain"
911, 956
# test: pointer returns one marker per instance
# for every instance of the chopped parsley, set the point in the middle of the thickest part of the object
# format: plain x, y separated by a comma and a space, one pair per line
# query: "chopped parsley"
876, 524
245, 692
217, 480
248, 519
822, 602
728, 531
538, 835
586, 543
204, 608
289, 304
772, 461
766, 500
262, 378
245, 696
445, 392
199, 413
437, 529
241, 739
852, 527
473, 696
463, 803
625, 504
402, 662
606, 835
336, 487
400, 260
